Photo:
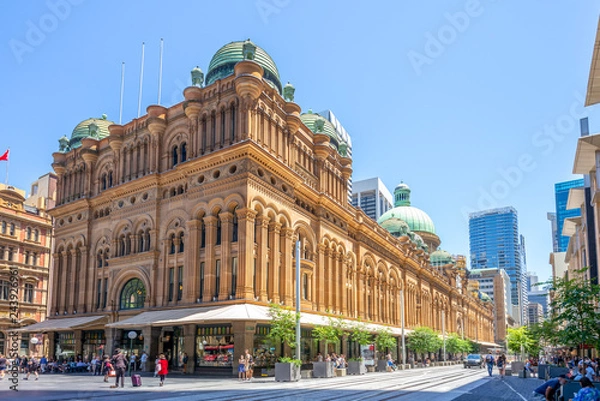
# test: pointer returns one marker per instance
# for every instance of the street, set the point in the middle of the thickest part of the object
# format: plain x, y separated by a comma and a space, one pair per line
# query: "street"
439, 383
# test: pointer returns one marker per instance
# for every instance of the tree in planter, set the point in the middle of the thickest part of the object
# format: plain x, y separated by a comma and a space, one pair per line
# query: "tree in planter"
455, 345
385, 340
424, 339
361, 336
331, 333
283, 329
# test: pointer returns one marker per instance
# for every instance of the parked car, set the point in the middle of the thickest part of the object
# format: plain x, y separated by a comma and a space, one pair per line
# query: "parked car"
474, 360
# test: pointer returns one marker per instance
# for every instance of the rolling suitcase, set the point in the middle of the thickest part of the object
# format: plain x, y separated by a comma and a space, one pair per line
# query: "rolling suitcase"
136, 380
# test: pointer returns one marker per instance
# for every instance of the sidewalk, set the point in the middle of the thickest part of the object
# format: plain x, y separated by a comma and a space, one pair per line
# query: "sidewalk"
510, 388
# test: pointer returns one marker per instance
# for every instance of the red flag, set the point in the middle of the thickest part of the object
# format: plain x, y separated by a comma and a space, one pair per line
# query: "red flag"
5, 156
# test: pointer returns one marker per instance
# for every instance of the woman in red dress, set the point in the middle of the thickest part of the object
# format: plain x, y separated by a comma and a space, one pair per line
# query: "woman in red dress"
164, 368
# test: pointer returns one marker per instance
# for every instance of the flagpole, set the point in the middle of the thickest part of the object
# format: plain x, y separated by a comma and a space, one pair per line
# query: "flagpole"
160, 71
141, 82
7, 163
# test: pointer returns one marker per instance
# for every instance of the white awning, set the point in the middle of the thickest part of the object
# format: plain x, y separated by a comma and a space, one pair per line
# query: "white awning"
228, 313
576, 198
585, 155
64, 324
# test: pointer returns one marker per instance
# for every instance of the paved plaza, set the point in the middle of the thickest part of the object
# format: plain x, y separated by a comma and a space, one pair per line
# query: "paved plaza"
439, 384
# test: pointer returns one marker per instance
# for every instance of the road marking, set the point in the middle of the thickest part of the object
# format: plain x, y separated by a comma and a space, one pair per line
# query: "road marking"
515, 391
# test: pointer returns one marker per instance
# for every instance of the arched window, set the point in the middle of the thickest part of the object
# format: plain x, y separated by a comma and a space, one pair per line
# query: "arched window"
218, 242
234, 234
147, 240
141, 238
110, 179
4, 227
175, 155
232, 123
183, 152
12, 229
99, 260
103, 181
133, 294
181, 242
36, 235
28, 233
122, 245
172, 242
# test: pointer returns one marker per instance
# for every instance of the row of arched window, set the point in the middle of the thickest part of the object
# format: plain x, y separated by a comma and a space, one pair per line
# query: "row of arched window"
5, 228
178, 154
127, 244
106, 181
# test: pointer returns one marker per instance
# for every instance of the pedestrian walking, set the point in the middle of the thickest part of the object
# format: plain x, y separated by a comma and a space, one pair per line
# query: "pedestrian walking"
94, 365
242, 368
501, 363
163, 369
249, 365
184, 360
489, 361
44, 364
143, 361
132, 360
32, 366
156, 365
120, 364
107, 368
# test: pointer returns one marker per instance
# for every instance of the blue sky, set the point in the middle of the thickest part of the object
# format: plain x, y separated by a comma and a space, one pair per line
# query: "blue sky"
474, 104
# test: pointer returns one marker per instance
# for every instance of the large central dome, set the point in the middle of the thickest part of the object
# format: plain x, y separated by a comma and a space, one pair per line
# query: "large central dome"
222, 63
417, 220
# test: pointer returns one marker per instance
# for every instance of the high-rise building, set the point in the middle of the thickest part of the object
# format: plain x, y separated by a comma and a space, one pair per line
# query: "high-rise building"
552, 219
372, 196
542, 297
561, 196
532, 280
495, 242
535, 313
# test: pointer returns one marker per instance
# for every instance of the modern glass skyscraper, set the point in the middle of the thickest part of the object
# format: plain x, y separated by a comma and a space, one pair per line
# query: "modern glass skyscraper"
561, 195
494, 242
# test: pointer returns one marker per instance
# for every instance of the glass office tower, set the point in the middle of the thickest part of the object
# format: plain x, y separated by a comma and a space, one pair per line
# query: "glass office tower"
561, 195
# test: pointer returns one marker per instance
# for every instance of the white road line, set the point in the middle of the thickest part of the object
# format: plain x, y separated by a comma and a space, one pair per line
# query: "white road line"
515, 391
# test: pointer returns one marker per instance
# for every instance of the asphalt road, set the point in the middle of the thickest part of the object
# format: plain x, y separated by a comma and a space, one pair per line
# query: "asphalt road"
439, 384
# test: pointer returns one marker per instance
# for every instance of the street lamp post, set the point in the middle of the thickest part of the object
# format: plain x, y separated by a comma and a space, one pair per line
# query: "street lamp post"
402, 322
444, 332
132, 334
298, 351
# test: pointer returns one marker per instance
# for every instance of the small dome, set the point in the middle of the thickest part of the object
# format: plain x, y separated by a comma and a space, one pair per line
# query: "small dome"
222, 63
484, 297
402, 186
440, 258
396, 227
311, 120
92, 127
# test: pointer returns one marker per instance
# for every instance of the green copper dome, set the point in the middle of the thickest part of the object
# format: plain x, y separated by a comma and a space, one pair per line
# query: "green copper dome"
92, 127
440, 258
222, 63
314, 121
397, 227
416, 219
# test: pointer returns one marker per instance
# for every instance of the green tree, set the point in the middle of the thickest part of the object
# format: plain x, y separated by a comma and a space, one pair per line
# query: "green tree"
330, 333
574, 305
424, 339
384, 340
283, 325
455, 344
519, 340
361, 336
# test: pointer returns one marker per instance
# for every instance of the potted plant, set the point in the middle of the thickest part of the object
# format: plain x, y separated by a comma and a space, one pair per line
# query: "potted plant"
283, 329
330, 334
383, 341
360, 335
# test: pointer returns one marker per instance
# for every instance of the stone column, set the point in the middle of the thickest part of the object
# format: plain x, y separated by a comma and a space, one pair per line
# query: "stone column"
275, 230
210, 223
191, 269
263, 226
151, 339
226, 273
245, 288
320, 284
189, 346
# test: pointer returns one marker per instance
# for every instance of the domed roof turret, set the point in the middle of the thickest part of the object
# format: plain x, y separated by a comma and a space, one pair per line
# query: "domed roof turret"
222, 63
440, 258
92, 127
417, 220
319, 124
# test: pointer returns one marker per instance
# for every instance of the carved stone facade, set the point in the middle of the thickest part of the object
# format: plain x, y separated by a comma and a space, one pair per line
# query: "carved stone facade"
25, 242
199, 205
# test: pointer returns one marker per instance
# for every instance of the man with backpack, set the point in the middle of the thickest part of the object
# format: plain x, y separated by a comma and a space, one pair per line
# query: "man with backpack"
489, 361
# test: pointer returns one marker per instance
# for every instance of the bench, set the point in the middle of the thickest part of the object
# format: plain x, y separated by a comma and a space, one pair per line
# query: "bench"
340, 372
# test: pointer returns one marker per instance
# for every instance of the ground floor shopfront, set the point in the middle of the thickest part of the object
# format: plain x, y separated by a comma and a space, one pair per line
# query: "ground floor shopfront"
212, 337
